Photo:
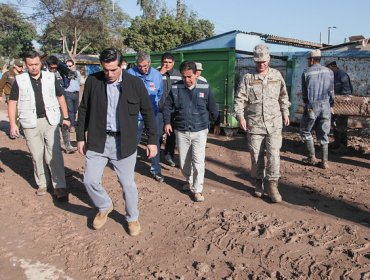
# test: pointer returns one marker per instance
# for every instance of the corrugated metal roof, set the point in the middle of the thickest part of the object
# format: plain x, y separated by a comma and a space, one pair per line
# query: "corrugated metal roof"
291, 42
268, 38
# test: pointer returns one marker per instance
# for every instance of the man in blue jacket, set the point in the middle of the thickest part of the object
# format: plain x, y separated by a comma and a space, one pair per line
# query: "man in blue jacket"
191, 104
318, 97
152, 80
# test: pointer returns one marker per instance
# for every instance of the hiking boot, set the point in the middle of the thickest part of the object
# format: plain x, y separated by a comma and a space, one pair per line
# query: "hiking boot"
70, 149
198, 197
158, 177
41, 191
169, 160
61, 194
186, 187
101, 218
273, 192
259, 188
134, 228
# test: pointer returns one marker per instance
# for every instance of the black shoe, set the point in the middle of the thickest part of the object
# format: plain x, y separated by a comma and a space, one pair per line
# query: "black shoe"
169, 160
61, 194
158, 177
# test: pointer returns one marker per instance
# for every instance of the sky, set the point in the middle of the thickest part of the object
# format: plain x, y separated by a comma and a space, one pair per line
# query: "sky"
297, 19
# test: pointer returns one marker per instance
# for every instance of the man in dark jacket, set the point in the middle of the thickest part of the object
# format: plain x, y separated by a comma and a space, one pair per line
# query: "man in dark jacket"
342, 86
192, 104
106, 131
170, 75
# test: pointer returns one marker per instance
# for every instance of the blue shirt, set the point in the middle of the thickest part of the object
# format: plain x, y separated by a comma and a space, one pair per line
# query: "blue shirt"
74, 84
153, 83
113, 93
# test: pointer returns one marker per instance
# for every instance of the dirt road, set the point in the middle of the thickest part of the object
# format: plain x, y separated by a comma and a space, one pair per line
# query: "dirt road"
320, 231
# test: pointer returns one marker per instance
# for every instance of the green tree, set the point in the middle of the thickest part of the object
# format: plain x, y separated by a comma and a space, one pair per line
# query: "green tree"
166, 32
16, 33
80, 26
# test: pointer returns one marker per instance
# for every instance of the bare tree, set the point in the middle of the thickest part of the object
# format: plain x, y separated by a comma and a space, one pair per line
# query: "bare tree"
149, 8
80, 22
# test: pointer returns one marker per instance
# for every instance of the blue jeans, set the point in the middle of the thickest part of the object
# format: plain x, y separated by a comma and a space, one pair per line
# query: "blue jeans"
125, 169
72, 99
316, 115
155, 166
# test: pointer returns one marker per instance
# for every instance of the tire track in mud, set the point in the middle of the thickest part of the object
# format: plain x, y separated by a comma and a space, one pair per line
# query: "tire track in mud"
337, 252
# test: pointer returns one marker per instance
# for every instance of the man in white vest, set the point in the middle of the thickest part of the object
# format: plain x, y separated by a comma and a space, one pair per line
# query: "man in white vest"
40, 102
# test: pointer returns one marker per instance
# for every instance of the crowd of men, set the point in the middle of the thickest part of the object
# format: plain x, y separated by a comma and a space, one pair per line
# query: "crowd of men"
119, 103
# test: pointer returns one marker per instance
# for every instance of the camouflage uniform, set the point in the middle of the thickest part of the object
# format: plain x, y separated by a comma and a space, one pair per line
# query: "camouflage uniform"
262, 101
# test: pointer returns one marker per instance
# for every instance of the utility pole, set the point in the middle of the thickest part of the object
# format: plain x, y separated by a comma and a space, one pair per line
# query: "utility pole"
329, 33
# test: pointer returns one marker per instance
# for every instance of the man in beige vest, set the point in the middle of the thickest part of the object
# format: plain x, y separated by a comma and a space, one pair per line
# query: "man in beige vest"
40, 100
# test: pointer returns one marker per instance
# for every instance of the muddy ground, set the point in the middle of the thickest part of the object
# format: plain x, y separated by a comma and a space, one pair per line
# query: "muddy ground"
320, 231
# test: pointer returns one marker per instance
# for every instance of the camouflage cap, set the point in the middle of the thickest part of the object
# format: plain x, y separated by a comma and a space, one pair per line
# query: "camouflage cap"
261, 53
19, 62
314, 53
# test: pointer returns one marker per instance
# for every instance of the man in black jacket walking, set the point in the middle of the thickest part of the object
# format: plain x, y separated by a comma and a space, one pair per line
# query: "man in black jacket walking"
106, 131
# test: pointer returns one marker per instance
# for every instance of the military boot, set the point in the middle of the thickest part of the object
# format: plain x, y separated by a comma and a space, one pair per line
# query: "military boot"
259, 188
273, 192
67, 142
324, 156
311, 158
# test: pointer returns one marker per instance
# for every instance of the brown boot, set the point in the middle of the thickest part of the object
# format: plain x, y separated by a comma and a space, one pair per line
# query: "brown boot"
259, 188
273, 192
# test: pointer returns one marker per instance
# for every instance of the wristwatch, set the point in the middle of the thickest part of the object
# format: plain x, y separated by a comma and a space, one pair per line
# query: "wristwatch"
66, 119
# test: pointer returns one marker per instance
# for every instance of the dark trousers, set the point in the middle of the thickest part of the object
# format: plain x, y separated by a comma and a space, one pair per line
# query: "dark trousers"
72, 99
170, 145
340, 129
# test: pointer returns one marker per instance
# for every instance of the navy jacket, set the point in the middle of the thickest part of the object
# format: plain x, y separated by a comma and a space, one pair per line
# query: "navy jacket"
191, 109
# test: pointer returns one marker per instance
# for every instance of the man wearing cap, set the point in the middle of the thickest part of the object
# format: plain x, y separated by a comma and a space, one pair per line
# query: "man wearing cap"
342, 86
318, 97
199, 72
8, 78
261, 107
